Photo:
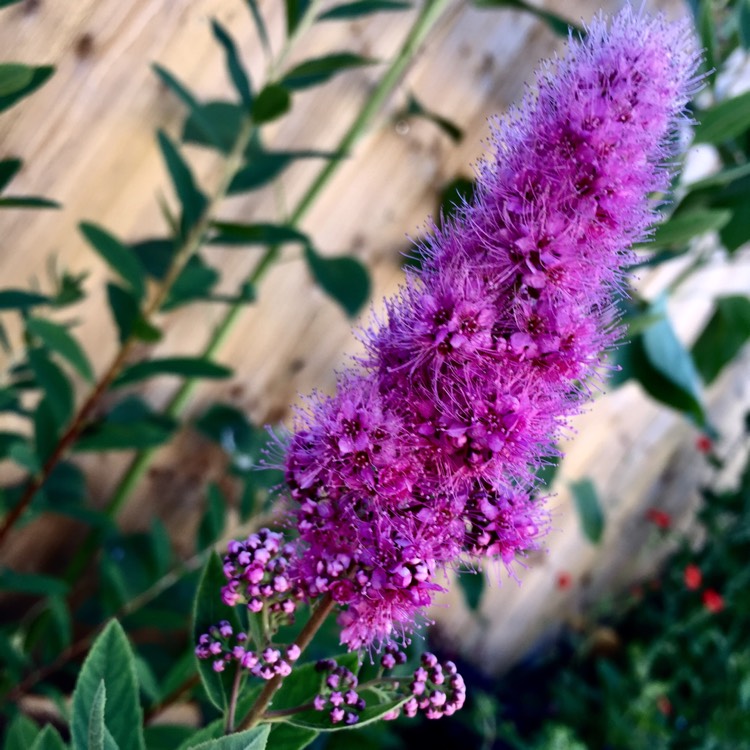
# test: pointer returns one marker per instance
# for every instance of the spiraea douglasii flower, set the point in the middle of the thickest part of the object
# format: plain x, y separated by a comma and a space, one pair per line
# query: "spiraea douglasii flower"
428, 451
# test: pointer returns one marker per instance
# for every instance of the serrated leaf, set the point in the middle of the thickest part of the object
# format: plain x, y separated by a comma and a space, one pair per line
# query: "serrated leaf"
723, 337
251, 739
557, 24
236, 69
117, 256
260, 26
271, 103
321, 69
48, 739
360, 8
589, 509
8, 170
186, 367
343, 279
667, 355
22, 733
191, 198
31, 583
232, 234
19, 299
295, 11
195, 108
722, 122
208, 610
681, 228
58, 339
111, 660
226, 119
212, 523
14, 93
264, 166
54, 384
289, 737
27, 201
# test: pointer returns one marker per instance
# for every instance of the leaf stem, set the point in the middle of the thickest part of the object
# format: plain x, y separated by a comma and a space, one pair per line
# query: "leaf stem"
317, 618
232, 709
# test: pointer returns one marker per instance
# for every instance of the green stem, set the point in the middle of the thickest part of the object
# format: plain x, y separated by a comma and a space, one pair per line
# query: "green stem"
422, 25
317, 618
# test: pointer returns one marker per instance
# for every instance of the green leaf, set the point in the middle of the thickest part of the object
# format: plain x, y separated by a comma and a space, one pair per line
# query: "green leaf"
589, 509
31, 583
681, 228
321, 69
18, 299
743, 22
117, 256
265, 166
251, 739
295, 11
6, 3
187, 367
344, 279
27, 201
212, 523
131, 424
208, 610
58, 339
22, 733
163, 736
155, 256
362, 8
723, 336
472, 584
722, 122
288, 737
557, 24
7, 441
191, 198
96, 719
260, 26
8, 170
11, 75
127, 316
255, 234
667, 355
234, 65
111, 660
415, 109
48, 739
195, 282
706, 27
195, 108
271, 103
376, 709
721, 178
47, 429
226, 119
55, 385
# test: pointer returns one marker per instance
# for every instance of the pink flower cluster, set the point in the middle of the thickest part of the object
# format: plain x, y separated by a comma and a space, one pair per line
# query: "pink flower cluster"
428, 451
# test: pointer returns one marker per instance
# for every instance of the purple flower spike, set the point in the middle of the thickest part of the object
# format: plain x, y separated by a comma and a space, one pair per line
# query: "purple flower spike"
429, 450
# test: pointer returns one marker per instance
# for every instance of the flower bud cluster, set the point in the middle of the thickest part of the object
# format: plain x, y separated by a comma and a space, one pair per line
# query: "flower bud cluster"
223, 646
338, 694
257, 573
437, 689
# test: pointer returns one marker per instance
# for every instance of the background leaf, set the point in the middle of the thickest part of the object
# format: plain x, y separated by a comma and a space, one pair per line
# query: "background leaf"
236, 70
31, 583
321, 69
557, 24
19, 299
251, 739
27, 201
22, 733
343, 279
54, 384
58, 339
117, 256
359, 8
110, 660
38, 76
683, 227
212, 523
255, 234
295, 10
271, 103
191, 198
48, 739
726, 120
589, 509
187, 367
472, 584
8, 170
723, 336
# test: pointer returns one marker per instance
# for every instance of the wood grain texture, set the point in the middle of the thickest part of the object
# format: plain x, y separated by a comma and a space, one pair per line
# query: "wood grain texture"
87, 139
